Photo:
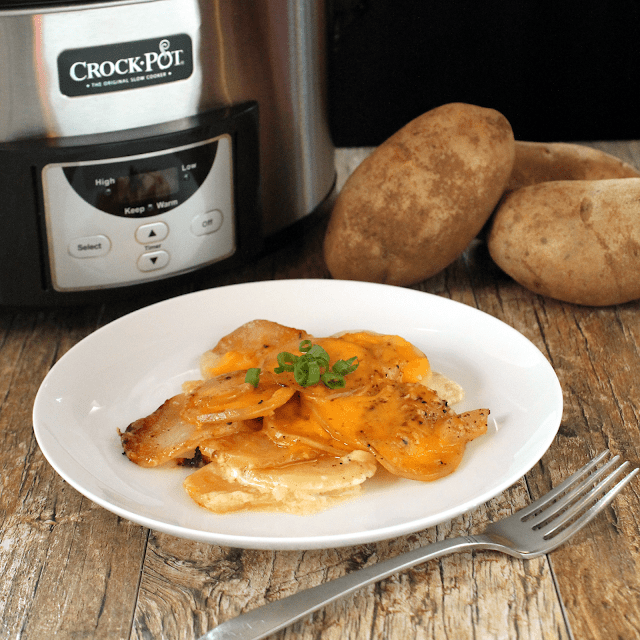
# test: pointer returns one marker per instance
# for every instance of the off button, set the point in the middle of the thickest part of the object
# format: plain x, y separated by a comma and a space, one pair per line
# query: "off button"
207, 223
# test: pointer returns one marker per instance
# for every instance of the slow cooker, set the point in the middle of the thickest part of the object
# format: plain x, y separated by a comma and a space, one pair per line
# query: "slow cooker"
146, 140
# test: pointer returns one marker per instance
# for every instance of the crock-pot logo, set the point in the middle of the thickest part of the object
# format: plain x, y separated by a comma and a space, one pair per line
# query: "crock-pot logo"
128, 65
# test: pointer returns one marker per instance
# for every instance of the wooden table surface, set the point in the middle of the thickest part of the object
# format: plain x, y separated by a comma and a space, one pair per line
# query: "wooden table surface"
70, 569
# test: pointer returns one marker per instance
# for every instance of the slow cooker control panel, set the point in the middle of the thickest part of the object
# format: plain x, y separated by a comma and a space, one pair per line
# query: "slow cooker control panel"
126, 220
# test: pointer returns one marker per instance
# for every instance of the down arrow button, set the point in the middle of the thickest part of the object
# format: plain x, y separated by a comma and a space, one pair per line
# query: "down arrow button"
153, 260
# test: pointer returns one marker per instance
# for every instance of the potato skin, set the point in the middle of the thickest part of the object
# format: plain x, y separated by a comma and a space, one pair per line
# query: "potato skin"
538, 162
413, 206
576, 241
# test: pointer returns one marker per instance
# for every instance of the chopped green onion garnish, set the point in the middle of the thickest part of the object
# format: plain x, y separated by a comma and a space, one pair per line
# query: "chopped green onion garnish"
313, 366
253, 376
333, 380
306, 372
343, 367
319, 354
286, 361
305, 346
309, 368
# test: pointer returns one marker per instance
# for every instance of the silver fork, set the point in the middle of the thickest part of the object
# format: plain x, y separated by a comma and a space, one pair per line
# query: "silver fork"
533, 531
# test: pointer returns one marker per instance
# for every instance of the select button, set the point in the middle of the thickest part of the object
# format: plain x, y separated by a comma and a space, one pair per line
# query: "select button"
90, 246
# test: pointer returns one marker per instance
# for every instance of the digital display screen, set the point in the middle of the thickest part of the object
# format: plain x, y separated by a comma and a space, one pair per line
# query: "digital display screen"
143, 186
151, 185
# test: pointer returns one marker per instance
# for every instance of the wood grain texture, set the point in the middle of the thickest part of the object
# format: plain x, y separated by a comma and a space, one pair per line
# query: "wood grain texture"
70, 569
463, 596
67, 567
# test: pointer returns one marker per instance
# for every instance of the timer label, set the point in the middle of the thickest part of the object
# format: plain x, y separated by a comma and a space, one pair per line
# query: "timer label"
128, 65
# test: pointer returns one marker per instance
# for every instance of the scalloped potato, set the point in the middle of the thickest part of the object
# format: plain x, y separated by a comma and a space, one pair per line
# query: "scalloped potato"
283, 445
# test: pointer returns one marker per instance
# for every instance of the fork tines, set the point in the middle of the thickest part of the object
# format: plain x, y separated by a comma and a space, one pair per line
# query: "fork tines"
580, 497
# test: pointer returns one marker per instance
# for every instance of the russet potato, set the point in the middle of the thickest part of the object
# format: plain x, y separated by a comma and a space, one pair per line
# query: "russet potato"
413, 206
537, 162
573, 240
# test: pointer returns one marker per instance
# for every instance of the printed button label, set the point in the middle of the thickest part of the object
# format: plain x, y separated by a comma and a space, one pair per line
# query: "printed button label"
207, 223
90, 247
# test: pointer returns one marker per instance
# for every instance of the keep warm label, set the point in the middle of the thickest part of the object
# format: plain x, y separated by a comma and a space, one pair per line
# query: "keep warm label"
128, 65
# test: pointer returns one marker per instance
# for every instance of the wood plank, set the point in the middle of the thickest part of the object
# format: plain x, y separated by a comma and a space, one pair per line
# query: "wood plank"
596, 356
189, 587
599, 572
67, 567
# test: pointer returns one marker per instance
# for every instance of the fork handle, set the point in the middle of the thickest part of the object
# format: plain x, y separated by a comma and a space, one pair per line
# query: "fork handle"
267, 619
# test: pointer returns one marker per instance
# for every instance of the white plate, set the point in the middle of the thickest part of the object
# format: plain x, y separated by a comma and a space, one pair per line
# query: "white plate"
126, 369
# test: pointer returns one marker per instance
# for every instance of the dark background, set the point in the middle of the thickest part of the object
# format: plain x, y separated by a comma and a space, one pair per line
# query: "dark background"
559, 71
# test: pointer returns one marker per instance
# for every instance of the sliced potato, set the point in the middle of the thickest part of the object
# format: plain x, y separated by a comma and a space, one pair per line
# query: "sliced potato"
255, 451
407, 427
228, 398
248, 346
281, 446
165, 435
400, 359
301, 488
291, 425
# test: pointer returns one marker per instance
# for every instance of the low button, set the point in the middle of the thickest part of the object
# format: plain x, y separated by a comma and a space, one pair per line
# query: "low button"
90, 246
152, 232
153, 260
206, 223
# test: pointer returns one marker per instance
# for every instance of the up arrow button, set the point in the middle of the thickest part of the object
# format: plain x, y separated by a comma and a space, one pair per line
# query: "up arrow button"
156, 231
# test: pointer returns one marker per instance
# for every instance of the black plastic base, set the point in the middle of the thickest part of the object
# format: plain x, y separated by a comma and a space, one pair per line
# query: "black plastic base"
24, 272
